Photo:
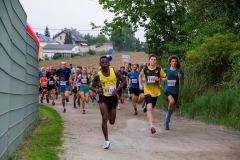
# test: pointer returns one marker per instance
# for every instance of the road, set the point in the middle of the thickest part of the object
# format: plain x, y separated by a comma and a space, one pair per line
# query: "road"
187, 139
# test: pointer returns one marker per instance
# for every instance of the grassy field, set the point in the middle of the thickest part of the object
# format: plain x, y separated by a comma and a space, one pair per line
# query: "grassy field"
93, 61
44, 142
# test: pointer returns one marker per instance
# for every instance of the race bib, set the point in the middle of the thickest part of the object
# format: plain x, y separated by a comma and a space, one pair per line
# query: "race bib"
51, 82
63, 83
83, 80
79, 84
151, 79
134, 81
171, 83
110, 89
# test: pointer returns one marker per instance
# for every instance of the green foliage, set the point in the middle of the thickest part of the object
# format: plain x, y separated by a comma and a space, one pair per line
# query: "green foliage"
124, 39
91, 52
222, 107
68, 38
100, 39
44, 142
46, 32
215, 56
58, 56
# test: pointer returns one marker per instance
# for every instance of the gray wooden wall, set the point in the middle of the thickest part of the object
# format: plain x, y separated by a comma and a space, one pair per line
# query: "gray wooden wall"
18, 76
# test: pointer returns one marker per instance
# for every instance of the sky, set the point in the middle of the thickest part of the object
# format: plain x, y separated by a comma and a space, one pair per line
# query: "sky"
59, 14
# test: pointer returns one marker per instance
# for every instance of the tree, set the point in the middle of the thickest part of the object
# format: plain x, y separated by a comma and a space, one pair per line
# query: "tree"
174, 26
138, 45
46, 32
68, 38
124, 40
96, 40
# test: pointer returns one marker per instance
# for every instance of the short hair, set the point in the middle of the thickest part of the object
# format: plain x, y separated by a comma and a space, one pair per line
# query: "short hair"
102, 57
152, 55
63, 62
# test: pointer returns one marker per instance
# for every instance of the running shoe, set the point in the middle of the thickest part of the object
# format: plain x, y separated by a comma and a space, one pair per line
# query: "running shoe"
135, 111
107, 145
64, 110
84, 111
67, 100
144, 109
53, 103
153, 130
118, 107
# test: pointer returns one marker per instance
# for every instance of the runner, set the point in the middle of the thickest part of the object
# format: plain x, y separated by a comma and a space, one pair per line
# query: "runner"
93, 94
76, 87
51, 89
133, 85
141, 96
120, 92
43, 86
171, 85
63, 75
108, 101
84, 88
152, 87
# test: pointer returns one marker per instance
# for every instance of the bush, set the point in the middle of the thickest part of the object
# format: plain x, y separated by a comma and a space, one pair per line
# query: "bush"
91, 52
222, 107
58, 56
215, 57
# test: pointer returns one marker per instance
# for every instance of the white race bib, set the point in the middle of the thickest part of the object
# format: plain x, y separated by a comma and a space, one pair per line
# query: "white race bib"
44, 84
110, 89
171, 83
134, 81
83, 80
151, 79
63, 83
51, 82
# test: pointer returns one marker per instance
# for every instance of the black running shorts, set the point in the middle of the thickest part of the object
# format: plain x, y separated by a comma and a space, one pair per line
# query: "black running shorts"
135, 91
111, 102
150, 99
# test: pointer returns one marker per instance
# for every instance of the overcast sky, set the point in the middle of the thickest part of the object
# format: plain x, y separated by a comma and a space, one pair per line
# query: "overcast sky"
58, 14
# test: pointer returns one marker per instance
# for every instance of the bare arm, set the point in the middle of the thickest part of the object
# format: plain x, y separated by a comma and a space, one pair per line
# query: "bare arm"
122, 79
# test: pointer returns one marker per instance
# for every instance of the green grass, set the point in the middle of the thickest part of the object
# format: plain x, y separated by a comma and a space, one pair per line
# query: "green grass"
219, 107
44, 141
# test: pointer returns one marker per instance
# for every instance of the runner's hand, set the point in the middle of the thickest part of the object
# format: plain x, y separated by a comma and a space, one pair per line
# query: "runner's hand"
157, 79
141, 87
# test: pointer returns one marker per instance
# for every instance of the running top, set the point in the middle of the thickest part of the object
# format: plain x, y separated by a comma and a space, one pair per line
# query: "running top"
43, 82
151, 87
108, 83
64, 75
133, 78
172, 83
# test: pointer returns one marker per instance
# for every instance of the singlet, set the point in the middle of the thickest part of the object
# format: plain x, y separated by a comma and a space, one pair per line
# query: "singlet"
108, 83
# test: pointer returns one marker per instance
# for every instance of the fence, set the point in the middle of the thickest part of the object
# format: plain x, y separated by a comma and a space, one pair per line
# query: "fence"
18, 76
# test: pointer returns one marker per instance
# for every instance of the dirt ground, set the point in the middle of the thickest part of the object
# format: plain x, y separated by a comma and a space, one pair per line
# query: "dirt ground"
136, 57
187, 139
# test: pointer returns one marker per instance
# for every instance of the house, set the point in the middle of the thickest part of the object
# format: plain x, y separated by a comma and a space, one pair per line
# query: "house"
44, 40
76, 37
66, 49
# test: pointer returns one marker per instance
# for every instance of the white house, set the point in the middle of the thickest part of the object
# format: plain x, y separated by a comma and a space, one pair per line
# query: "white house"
66, 49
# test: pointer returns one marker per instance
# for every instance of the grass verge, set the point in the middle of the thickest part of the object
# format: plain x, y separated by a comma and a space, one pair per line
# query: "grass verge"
44, 141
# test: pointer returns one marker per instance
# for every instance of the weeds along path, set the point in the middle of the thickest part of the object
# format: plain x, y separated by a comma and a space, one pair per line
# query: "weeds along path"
187, 139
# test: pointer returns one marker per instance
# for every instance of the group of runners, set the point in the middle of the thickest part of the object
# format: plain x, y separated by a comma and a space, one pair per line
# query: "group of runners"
143, 83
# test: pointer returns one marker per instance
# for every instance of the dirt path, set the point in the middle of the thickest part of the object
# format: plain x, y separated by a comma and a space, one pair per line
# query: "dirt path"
187, 140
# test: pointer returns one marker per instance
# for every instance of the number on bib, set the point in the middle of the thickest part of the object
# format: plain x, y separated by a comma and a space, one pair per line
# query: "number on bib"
110, 89
83, 80
134, 81
51, 83
171, 83
151, 79
62, 83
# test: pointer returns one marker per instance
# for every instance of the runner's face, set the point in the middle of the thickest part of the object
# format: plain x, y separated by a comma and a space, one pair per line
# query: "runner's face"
77, 71
63, 66
85, 70
134, 68
104, 63
173, 63
153, 61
